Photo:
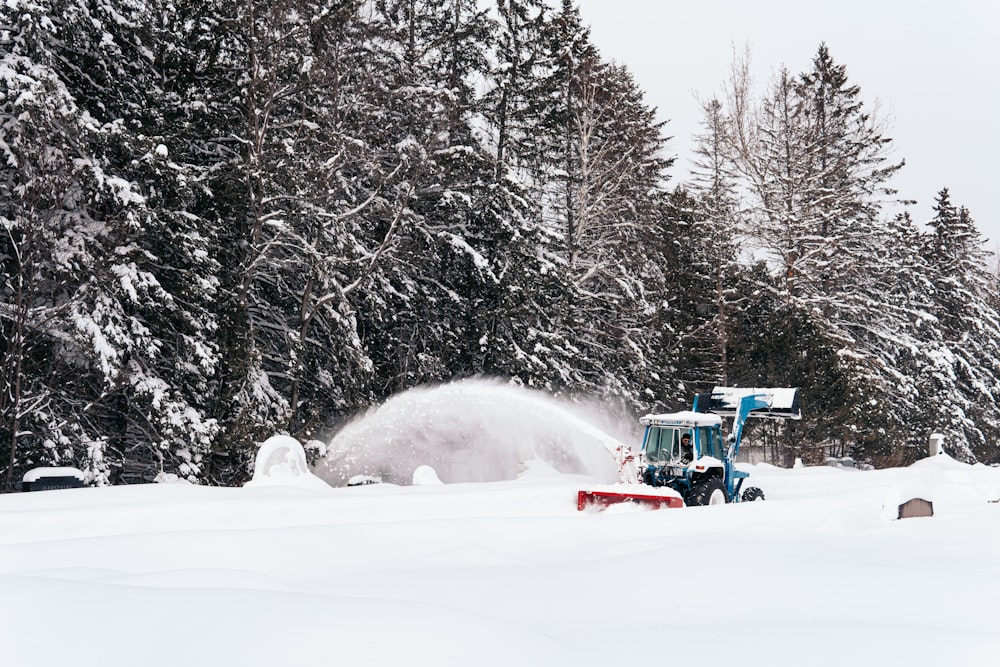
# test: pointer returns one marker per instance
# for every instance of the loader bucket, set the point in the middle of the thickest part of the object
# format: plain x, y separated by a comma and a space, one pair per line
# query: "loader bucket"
647, 496
772, 402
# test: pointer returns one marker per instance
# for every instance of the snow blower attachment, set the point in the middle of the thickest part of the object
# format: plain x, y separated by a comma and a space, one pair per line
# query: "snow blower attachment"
684, 458
629, 488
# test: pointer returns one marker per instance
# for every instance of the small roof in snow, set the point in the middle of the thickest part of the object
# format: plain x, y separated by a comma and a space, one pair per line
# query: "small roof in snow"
686, 418
36, 474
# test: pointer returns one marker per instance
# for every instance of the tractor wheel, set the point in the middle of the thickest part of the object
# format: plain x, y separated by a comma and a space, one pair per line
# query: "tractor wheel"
752, 493
708, 491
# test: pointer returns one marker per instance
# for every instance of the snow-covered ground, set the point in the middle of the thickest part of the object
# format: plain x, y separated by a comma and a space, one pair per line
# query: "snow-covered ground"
504, 573
286, 571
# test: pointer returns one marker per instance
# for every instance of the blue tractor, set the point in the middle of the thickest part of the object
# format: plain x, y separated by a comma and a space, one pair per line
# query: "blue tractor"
686, 451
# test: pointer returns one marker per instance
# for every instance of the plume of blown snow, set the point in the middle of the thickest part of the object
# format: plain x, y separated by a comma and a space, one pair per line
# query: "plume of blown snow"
473, 430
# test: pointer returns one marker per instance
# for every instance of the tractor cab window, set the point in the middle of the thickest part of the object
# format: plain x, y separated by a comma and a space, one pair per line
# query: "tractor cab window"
711, 443
663, 444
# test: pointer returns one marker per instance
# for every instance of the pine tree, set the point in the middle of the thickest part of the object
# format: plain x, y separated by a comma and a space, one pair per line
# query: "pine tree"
515, 79
71, 219
416, 306
818, 166
330, 196
598, 173
518, 311
713, 242
43, 181
963, 302
773, 344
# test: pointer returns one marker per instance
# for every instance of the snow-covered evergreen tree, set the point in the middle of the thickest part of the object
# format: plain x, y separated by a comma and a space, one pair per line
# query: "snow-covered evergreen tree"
47, 249
223, 219
964, 302
86, 269
818, 164
712, 251
300, 325
598, 170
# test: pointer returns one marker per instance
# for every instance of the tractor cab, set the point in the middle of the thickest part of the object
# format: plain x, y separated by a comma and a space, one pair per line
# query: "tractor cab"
680, 447
670, 439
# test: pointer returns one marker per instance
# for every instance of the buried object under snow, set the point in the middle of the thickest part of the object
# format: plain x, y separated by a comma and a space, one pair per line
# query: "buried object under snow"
281, 461
685, 452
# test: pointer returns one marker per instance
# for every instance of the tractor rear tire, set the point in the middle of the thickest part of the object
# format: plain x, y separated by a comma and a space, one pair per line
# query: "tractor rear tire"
752, 493
710, 491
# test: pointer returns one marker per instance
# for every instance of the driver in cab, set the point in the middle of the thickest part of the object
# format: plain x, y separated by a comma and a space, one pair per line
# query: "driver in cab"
686, 452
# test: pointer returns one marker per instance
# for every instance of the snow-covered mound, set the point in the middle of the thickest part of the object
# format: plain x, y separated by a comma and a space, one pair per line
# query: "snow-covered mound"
281, 461
469, 431
424, 475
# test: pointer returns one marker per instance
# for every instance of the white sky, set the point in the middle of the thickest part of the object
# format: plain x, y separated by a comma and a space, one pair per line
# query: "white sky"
932, 66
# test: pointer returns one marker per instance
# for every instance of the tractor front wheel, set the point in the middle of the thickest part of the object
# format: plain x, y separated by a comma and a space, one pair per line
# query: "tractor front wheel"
752, 493
710, 491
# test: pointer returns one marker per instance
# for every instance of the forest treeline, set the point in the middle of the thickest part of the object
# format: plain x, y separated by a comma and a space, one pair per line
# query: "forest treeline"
222, 220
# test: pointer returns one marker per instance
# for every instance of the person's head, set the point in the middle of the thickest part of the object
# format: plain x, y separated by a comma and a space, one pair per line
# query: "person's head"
686, 439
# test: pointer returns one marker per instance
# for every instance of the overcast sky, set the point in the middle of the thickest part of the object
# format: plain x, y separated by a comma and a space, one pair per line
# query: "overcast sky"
934, 68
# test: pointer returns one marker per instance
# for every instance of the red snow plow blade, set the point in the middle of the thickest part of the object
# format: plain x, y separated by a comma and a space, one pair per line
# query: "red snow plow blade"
602, 499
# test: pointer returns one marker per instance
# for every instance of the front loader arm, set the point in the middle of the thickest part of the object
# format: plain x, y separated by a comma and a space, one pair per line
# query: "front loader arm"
741, 403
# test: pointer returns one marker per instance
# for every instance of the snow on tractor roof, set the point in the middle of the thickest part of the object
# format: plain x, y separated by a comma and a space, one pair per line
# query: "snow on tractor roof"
686, 419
